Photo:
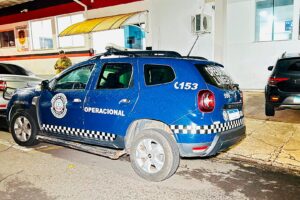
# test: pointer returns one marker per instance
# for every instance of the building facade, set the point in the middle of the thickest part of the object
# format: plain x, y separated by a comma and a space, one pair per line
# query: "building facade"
245, 35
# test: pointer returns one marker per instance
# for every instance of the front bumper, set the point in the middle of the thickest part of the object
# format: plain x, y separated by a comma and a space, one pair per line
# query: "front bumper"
222, 141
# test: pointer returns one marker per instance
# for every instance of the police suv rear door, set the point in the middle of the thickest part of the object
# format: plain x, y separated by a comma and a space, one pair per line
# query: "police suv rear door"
111, 99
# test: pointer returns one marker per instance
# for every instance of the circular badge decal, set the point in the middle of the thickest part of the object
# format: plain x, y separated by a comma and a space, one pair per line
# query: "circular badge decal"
59, 105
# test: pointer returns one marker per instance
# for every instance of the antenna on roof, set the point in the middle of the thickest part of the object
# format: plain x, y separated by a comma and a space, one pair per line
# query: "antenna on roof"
193, 46
283, 55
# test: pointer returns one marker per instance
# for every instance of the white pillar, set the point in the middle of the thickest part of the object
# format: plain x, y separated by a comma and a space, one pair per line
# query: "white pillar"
220, 30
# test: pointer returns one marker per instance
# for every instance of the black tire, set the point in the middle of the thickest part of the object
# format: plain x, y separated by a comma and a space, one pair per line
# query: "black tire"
30, 124
269, 110
170, 150
3, 124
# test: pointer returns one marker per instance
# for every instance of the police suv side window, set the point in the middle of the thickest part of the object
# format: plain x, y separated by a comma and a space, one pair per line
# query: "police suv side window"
75, 80
115, 76
158, 74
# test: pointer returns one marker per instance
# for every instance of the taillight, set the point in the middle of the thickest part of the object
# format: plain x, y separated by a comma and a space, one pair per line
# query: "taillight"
2, 85
274, 81
199, 149
206, 101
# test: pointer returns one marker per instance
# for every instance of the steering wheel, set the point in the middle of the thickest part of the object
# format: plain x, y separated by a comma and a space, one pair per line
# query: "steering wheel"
78, 85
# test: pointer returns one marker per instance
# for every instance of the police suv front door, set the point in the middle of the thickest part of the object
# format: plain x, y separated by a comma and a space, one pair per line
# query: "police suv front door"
109, 104
60, 108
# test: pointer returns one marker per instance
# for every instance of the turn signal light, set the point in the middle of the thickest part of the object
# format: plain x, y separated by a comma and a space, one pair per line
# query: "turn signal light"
274, 81
2, 85
206, 101
274, 98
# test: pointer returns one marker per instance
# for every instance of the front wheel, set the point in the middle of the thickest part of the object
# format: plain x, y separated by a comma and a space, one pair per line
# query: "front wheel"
154, 155
24, 129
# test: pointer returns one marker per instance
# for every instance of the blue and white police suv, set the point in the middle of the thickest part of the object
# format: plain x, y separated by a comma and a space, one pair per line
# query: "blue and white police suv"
156, 106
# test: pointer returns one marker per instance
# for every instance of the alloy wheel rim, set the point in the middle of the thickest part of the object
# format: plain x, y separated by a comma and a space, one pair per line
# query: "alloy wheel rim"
150, 156
22, 129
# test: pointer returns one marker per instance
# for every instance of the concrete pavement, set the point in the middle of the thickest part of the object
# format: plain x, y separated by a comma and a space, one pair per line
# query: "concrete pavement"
271, 141
51, 172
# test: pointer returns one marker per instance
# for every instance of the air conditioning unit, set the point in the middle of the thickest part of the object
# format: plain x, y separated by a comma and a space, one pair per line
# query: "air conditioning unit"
202, 23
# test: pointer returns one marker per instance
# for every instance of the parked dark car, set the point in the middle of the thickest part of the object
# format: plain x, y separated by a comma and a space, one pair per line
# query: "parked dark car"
283, 88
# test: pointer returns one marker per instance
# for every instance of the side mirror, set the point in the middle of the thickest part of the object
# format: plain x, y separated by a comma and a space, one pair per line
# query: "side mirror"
270, 68
91, 52
45, 85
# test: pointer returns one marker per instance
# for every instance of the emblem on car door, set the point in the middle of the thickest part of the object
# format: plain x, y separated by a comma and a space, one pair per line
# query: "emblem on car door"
59, 105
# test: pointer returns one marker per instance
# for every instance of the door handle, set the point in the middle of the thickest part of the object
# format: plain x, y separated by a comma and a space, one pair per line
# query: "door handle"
124, 101
77, 100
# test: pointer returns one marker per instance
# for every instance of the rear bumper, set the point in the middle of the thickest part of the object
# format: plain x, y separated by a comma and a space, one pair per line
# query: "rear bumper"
286, 99
222, 141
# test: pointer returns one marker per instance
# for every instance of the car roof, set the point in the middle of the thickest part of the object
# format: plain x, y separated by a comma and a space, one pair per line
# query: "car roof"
10, 64
163, 59
113, 53
289, 55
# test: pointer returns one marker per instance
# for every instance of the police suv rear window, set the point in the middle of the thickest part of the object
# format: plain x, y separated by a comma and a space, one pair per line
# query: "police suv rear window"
158, 74
216, 76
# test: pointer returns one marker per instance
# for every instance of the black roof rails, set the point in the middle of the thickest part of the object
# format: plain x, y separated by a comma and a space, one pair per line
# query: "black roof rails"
148, 53
144, 53
195, 57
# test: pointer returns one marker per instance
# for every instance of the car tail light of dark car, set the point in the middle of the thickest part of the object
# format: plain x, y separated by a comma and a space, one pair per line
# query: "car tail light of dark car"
2, 85
206, 101
274, 81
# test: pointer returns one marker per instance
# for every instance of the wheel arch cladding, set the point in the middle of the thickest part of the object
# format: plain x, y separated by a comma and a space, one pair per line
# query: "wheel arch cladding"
137, 126
20, 107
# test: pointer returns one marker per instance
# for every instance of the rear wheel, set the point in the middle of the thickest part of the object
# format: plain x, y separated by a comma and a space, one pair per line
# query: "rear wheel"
269, 109
24, 129
154, 155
